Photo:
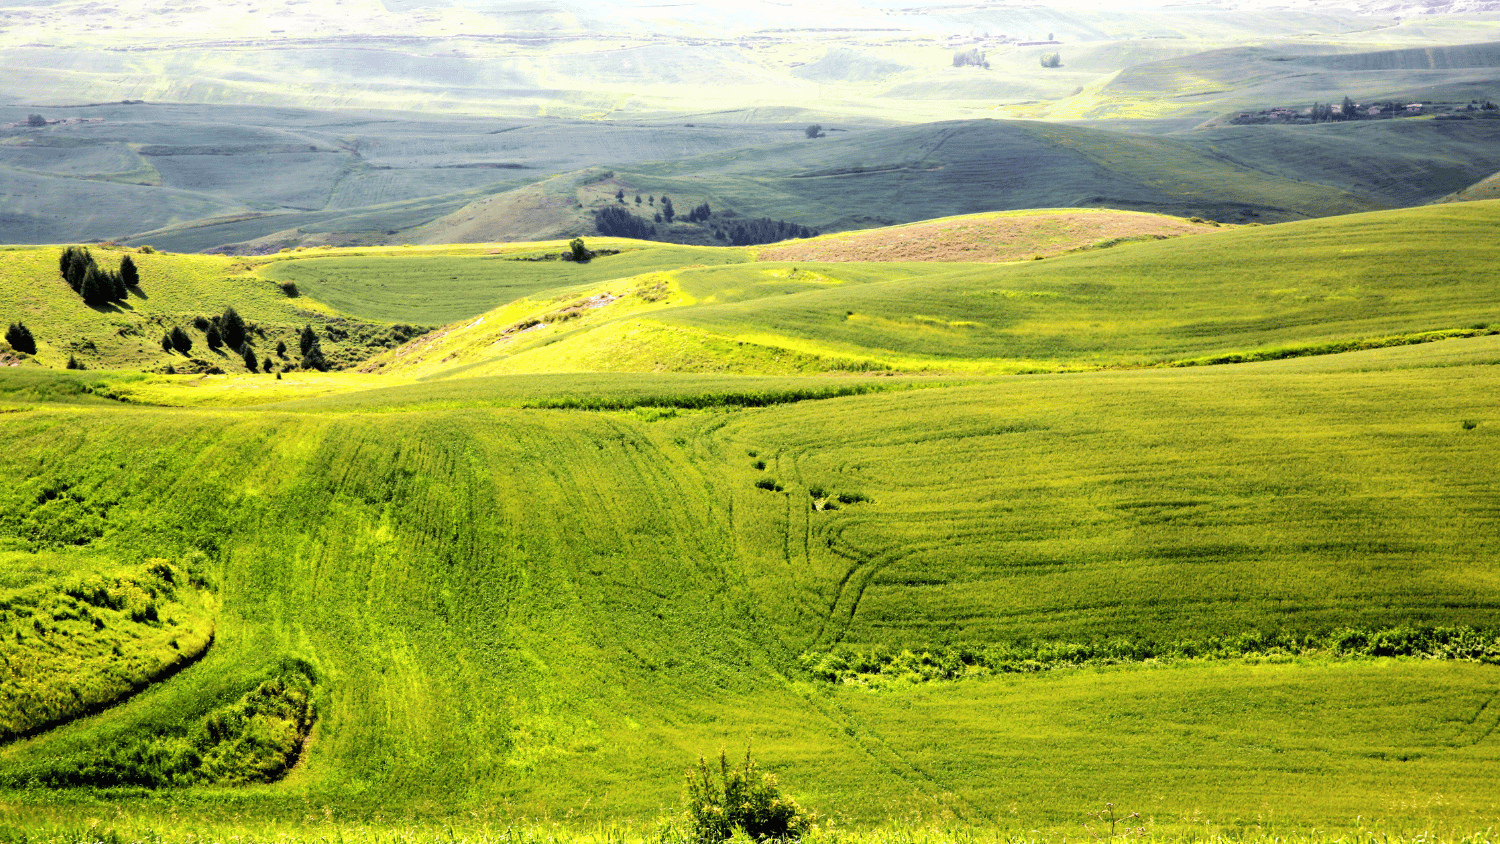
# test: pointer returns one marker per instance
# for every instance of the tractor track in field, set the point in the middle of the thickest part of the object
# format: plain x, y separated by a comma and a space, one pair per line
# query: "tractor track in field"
1493, 718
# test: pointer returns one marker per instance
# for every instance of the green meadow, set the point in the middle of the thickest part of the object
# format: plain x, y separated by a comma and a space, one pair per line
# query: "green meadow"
513, 578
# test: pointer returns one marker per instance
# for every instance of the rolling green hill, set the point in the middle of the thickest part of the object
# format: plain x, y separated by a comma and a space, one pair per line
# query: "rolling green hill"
1322, 285
500, 586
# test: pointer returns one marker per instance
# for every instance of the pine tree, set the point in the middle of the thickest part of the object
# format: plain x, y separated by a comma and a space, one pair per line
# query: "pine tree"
119, 291
666, 209
306, 340
166, 342
128, 272
250, 362
75, 264
620, 195
19, 337
281, 348
73, 363
314, 359
232, 329
213, 338
97, 289
180, 340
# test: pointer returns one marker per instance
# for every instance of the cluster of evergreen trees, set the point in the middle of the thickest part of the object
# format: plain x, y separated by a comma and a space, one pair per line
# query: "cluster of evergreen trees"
97, 286
229, 330
968, 58
762, 230
615, 221
700, 214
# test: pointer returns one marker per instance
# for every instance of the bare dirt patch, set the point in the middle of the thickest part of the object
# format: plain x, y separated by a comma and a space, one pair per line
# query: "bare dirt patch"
990, 238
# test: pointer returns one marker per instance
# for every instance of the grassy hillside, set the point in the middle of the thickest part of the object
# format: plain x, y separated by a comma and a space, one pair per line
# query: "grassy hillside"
1244, 77
441, 286
1212, 595
1486, 188
549, 612
1016, 236
175, 290
1399, 276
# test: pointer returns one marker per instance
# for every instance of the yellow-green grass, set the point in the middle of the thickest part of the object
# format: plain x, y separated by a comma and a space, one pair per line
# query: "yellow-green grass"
77, 638
1312, 287
435, 289
547, 613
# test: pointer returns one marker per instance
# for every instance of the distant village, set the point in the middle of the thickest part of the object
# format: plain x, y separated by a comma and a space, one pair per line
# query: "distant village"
1350, 110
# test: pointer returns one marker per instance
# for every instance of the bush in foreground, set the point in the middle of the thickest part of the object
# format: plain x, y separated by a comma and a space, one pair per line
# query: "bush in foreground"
741, 799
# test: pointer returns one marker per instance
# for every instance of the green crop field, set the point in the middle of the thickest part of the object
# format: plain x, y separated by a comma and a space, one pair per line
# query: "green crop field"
807, 513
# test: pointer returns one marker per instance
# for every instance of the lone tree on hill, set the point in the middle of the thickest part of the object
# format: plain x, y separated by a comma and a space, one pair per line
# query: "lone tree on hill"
306, 340
620, 195
73, 363
232, 329
35, 120
814, 131
1052, 60
281, 348
19, 337
128, 272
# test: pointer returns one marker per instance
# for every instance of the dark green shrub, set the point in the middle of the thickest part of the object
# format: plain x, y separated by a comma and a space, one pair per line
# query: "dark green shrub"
768, 484
853, 498
250, 362
166, 342
740, 798
212, 337
578, 252
19, 337
180, 340
289, 288
73, 363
